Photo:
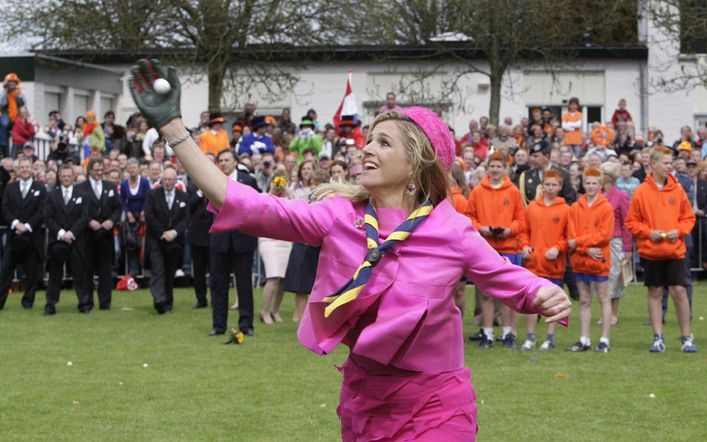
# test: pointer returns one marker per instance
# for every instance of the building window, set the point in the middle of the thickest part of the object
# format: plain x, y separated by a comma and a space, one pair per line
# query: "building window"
52, 101
107, 103
80, 105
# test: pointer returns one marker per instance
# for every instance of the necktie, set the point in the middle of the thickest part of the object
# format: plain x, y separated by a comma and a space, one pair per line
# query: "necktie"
97, 189
350, 291
67, 195
24, 189
169, 200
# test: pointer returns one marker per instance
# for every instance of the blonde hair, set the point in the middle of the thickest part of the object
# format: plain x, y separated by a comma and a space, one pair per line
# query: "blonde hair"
658, 152
611, 171
428, 174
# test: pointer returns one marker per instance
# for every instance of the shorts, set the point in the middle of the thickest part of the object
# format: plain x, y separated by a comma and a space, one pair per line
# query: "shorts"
558, 282
616, 280
583, 277
514, 258
667, 272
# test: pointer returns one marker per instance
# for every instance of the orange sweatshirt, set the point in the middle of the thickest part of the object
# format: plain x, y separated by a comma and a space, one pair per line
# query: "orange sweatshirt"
663, 209
502, 207
591, 226
460, 203
214, 143
545, 228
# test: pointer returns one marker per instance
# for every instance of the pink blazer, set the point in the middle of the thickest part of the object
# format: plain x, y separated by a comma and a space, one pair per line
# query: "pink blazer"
405, 316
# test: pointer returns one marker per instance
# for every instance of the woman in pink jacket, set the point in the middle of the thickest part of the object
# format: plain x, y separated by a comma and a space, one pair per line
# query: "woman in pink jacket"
392, 251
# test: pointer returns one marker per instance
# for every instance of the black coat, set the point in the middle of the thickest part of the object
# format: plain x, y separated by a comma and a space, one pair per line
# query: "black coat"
160, 219
108, 207
239, 242
29, 210
71, 217
200, 219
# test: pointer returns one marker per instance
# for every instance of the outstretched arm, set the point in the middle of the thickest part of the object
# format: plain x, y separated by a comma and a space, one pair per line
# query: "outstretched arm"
163, 112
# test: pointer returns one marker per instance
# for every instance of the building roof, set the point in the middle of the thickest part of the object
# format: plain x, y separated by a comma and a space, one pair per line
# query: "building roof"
286, 53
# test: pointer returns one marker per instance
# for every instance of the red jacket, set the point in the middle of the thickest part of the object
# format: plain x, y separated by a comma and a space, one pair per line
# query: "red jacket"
22, 131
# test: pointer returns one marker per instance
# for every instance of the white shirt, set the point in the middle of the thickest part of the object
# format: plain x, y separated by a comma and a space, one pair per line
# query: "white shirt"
169, 198
150, 137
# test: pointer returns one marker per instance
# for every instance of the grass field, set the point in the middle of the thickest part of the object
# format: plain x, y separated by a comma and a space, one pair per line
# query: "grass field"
131, 375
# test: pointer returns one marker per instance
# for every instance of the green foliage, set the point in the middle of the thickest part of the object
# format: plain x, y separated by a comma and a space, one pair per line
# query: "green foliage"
272, 389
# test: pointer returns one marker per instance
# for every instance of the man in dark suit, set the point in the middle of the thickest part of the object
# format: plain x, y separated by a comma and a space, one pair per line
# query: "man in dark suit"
66, 218
104, 209
22, 206
232, 252
200, 221
166, 217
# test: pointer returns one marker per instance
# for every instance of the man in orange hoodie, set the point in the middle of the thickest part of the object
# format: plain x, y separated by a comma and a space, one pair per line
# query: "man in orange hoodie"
591, 227
544, 243
660, 216
497, 212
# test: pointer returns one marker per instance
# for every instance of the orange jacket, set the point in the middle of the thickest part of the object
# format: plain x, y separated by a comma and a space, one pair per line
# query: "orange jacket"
591, 226
545, 228
502, 207
208, 142
460, 203
663, 209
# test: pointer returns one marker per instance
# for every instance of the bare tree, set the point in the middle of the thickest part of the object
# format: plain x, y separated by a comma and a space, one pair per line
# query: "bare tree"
490, 37
679, 32
226, 39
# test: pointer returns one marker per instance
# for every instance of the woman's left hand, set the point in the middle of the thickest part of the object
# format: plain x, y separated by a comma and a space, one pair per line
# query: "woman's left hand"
553, 303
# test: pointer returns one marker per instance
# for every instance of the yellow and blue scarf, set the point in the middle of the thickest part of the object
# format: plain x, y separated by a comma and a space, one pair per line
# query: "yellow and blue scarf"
350, 291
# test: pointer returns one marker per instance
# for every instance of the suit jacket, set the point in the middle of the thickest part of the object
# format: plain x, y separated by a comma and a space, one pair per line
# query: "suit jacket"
239, 242
200, 219
108, 207
159, 218
28, 210
71, 217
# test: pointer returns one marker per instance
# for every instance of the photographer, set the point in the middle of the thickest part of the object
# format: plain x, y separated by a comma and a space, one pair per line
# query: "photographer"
265, 174
60, 149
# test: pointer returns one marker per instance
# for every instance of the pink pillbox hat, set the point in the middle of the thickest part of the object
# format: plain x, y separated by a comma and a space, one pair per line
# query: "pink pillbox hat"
437, 132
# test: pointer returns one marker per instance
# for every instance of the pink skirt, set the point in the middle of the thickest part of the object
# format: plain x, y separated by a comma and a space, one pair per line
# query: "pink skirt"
389, 404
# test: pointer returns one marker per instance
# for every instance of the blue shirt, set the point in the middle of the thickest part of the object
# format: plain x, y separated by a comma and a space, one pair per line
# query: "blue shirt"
252, 143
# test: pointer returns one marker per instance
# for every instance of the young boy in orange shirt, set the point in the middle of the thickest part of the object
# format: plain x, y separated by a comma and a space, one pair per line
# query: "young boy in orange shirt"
591, 227
660, 216
497, 212
544, 244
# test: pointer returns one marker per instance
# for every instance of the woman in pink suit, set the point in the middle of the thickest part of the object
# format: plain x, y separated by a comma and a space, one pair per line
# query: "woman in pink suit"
392, 251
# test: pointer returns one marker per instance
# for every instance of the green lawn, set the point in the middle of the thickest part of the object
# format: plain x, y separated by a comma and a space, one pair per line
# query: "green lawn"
271, 389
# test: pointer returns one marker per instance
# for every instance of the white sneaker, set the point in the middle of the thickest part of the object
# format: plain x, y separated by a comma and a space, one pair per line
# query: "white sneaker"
547, 346
528, 345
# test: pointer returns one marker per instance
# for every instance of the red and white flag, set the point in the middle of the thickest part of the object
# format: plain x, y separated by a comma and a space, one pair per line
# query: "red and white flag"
348, 104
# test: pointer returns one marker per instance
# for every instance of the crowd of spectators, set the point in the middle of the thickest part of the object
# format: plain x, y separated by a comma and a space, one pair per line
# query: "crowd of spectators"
306, 151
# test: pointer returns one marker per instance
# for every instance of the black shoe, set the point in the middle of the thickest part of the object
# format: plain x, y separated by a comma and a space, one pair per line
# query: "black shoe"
27, 306
603, 347
49, 310
248, 331
509, 341
104, 307
200, 304
577, 347
478, 336
168, 308
161, 308
84, 310
485, 343
215, 332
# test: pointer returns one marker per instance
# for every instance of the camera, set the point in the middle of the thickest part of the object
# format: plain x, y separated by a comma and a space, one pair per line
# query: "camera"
267, 163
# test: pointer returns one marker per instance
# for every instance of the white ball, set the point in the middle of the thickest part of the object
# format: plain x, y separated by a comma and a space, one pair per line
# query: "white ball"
69, 363
652, 396
161, 86
145, 365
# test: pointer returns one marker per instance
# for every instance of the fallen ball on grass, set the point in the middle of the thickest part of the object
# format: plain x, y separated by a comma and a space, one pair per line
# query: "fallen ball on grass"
145, 365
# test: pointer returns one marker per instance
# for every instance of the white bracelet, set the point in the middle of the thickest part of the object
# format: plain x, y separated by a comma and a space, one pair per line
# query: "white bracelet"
179, 141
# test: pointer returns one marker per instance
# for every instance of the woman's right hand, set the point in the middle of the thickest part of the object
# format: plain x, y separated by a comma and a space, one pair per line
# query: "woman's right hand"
159, 109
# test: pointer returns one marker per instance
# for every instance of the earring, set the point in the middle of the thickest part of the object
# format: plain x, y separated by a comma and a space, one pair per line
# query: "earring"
412, 189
